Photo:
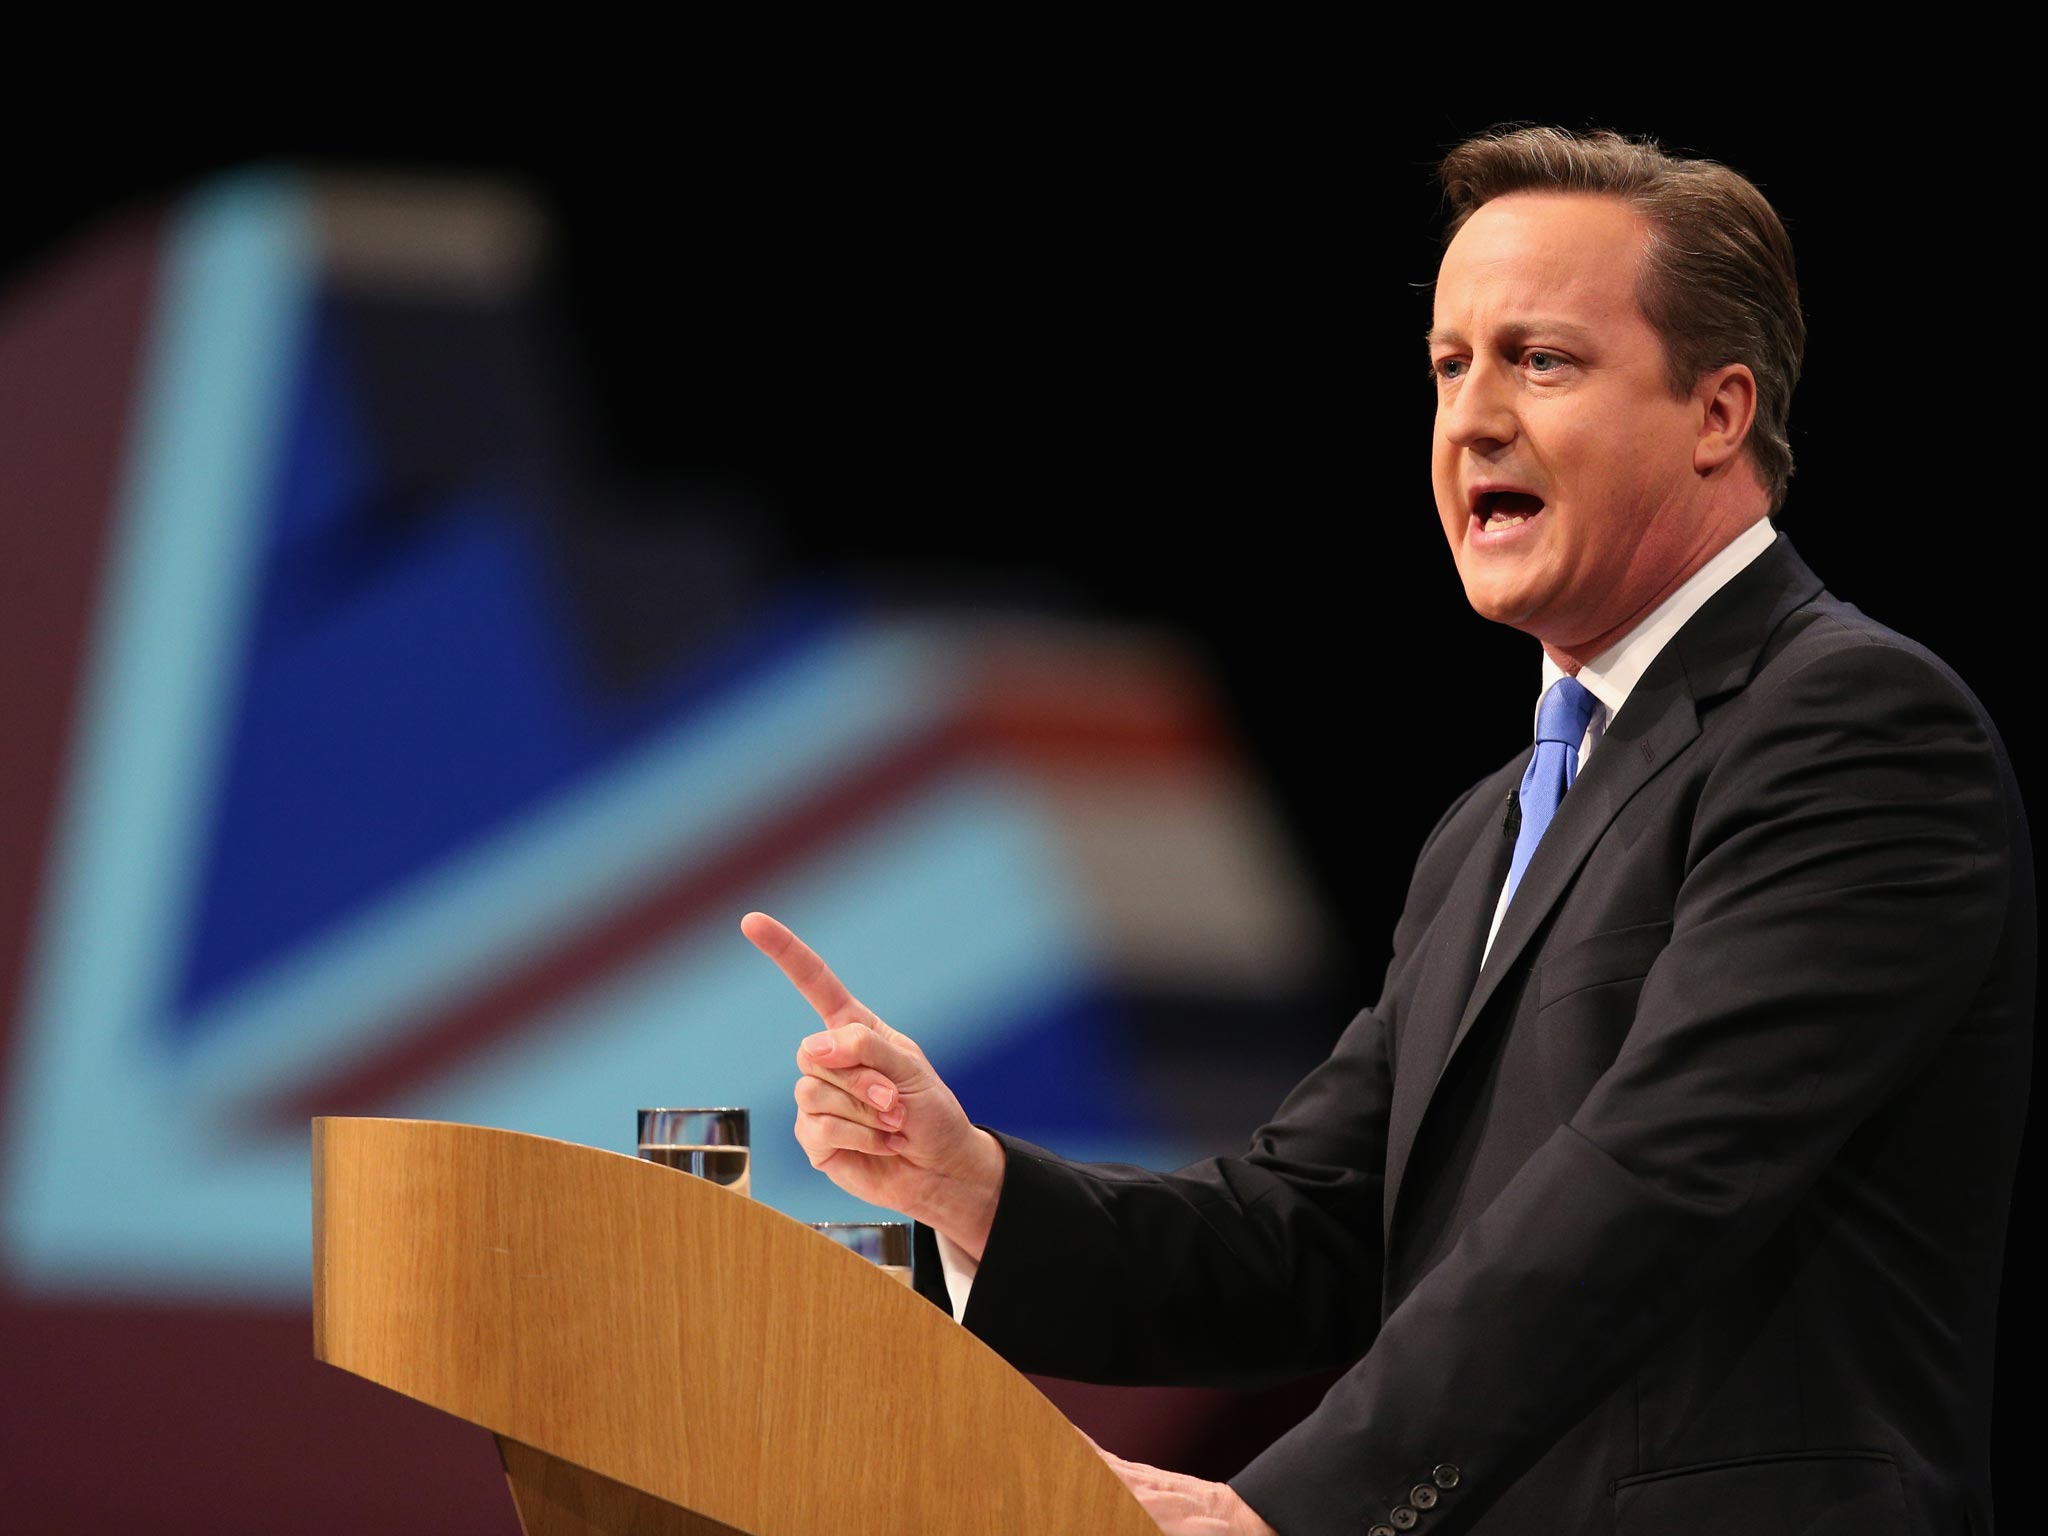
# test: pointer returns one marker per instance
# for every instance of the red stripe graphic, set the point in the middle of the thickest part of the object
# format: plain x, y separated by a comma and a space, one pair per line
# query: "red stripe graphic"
70, 344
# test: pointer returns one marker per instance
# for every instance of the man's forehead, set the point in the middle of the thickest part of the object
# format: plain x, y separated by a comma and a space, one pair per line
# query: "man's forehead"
1556, 221
1568, 258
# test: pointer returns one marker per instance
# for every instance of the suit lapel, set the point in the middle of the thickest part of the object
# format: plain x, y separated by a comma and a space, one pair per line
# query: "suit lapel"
1445, 978
1714, 654
1647, 734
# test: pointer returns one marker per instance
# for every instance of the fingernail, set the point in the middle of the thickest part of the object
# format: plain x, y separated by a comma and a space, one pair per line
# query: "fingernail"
819, 1045
892, 1118
882, 1095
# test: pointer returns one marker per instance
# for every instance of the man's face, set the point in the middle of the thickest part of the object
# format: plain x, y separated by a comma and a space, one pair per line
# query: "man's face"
1552, 408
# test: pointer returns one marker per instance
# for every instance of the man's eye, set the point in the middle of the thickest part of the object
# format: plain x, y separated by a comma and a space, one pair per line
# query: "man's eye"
1447, 368
1545, 362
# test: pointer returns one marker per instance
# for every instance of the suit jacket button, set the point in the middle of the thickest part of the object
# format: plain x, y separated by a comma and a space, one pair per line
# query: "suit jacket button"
1445, 1476
1403, 1517
1382, 1529
1422, 1496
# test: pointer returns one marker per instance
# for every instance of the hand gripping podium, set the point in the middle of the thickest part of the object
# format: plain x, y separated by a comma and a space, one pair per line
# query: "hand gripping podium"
662, 1357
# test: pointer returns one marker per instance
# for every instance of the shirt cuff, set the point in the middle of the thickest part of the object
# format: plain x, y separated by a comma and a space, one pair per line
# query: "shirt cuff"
959, 1271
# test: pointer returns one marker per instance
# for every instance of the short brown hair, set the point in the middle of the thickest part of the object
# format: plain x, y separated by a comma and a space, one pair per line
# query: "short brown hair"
1717, 283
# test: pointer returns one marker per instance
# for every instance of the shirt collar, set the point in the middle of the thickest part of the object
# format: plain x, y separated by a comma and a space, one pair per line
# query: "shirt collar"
1612, 675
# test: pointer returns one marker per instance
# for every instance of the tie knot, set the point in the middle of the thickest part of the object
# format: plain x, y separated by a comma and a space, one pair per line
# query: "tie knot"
1566, 711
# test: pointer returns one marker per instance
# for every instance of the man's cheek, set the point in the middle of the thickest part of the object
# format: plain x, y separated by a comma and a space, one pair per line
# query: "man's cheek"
1450, 511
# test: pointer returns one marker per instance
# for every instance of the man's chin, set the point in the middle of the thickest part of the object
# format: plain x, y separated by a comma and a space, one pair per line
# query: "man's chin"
1501, 603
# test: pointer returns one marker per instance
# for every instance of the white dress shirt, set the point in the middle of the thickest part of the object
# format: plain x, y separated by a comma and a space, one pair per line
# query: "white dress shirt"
1610, 677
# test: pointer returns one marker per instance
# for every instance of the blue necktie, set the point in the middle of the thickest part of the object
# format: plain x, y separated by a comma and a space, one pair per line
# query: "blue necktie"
1561, 721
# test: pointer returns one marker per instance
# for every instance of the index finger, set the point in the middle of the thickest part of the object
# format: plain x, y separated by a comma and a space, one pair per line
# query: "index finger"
806, 972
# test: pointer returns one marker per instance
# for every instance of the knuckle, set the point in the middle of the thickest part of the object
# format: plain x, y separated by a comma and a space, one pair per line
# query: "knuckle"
826, 1075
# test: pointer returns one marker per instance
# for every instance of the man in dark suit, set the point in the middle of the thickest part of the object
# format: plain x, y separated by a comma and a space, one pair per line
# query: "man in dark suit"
1664, 1188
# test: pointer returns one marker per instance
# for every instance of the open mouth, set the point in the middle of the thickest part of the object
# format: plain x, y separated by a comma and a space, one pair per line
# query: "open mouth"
1495, 510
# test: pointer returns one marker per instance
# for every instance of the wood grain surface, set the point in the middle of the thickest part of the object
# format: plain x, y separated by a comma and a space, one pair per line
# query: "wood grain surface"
558, 1498
677, 1339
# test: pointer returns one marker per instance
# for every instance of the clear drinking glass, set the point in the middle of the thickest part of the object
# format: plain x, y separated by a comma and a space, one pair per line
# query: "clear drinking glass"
710, 1143
885, 1244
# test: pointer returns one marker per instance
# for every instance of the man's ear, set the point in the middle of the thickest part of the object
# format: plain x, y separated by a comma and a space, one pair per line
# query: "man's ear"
1726, 399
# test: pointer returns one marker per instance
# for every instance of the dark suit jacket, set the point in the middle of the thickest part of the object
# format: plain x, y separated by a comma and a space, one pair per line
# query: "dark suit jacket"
1684, 1213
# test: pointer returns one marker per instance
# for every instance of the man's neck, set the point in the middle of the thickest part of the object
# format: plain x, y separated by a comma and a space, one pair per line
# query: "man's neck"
1612, 673
1712, 539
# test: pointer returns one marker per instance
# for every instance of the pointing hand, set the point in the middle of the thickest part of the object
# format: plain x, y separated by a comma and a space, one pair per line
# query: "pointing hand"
873, 1116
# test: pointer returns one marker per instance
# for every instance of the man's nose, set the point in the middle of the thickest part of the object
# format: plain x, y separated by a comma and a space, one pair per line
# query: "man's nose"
1479, 413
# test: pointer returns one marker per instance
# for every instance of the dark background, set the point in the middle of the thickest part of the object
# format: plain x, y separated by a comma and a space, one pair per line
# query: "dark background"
1163, 359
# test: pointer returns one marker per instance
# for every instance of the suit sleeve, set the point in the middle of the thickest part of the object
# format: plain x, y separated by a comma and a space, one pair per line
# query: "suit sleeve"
1237, 1271
1845, 889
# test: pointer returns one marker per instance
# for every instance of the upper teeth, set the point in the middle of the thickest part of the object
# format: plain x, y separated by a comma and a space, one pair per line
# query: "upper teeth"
1503, 520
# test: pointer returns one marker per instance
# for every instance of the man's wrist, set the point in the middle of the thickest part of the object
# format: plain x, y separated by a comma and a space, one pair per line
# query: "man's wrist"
963, 1208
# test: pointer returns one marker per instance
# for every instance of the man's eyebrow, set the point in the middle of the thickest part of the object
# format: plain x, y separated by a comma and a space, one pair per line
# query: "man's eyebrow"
1515, 332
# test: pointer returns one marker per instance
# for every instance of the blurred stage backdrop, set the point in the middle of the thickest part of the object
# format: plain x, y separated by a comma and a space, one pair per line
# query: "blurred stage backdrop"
356, 768
435, 606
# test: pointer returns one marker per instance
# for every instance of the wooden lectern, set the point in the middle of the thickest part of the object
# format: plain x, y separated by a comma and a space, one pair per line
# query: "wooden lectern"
662, 1357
